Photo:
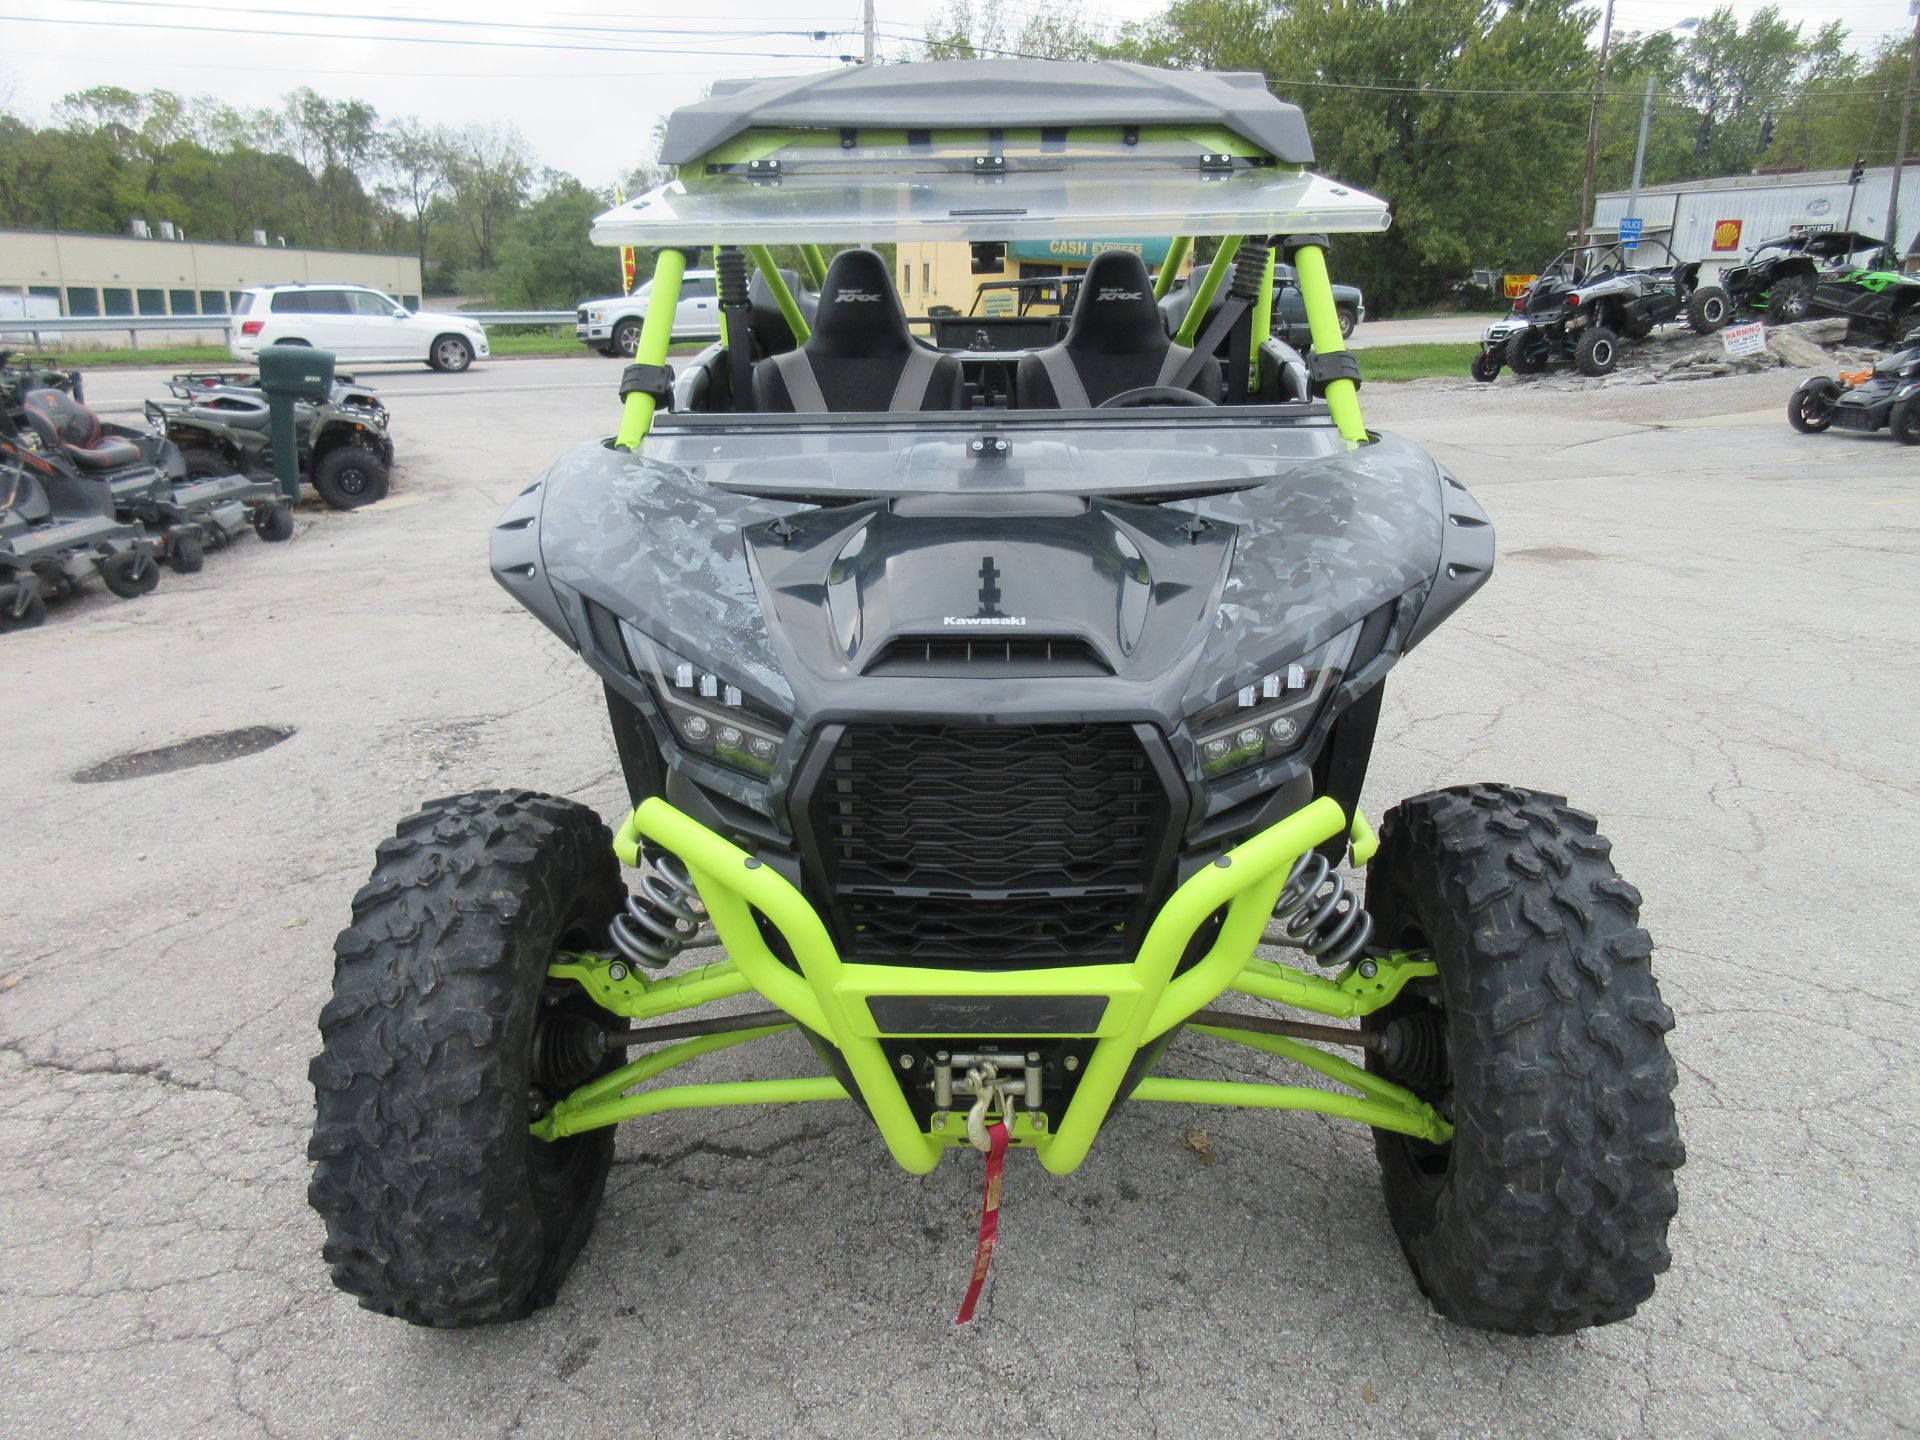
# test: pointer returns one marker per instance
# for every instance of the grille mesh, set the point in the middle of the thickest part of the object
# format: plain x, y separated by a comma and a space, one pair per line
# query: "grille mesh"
1012, 845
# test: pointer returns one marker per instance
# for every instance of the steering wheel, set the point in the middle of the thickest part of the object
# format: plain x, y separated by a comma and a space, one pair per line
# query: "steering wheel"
1152, 395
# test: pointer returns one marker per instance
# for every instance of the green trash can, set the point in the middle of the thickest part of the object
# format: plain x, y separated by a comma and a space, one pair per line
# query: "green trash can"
288, 375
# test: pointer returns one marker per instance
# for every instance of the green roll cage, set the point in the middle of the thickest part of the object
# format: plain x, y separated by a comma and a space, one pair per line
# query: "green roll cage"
1309, 258
1141, 1000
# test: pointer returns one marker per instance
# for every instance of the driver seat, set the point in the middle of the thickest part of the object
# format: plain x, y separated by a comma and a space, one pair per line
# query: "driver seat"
861, 355
1115, 342
65, 425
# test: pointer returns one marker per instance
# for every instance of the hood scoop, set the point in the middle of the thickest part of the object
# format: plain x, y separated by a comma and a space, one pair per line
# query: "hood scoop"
923, 588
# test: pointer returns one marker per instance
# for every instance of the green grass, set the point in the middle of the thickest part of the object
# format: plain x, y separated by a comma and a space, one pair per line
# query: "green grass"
84, 360
1416, 362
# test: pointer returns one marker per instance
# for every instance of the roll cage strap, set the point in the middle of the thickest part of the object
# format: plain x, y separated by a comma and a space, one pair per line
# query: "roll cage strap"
654, 380
1339, 365
803, 386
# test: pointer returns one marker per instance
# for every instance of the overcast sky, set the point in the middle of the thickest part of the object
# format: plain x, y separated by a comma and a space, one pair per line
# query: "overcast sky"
584, 84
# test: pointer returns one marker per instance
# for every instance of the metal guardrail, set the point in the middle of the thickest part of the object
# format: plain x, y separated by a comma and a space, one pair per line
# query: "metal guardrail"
131, 325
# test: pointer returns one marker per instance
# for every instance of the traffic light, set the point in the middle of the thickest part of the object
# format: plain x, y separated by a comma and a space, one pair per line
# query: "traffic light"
1703, 137
1859, 171
1766, 134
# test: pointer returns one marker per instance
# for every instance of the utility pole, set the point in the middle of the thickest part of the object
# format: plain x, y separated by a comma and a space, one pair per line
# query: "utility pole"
1640, 151
1900, 150
1593, 128
867, 53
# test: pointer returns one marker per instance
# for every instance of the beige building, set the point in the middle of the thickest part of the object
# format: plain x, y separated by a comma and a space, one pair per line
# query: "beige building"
128, 275
941, 272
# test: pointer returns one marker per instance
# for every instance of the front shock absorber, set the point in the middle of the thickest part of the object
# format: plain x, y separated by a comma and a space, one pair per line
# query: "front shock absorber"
1318, 914
662, 920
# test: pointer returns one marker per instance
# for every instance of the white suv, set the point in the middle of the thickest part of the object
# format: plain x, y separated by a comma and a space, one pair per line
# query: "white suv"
612, 325
357, 324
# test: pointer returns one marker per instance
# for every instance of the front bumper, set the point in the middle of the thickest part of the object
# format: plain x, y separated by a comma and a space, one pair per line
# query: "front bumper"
1112, 1011
593, 334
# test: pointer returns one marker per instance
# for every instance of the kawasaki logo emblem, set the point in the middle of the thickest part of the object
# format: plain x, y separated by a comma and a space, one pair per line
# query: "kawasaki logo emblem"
866, 297
996, 621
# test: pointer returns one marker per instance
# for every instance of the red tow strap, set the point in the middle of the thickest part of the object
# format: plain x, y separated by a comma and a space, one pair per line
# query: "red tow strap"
989, 1220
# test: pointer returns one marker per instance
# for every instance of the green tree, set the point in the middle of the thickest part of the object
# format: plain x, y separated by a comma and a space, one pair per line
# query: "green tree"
547, 260
490, 173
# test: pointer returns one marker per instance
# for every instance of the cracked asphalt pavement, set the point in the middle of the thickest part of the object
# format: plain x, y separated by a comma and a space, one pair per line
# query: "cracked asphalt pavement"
1701, 627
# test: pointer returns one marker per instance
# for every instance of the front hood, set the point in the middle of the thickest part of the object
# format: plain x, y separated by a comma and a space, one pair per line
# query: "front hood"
1041, 608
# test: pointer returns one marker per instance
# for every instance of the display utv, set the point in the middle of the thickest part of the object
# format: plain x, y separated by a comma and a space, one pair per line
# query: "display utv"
991, 741
1590, 299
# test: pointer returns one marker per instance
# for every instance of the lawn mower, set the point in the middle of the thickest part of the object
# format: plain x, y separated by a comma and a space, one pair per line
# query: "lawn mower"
992, 743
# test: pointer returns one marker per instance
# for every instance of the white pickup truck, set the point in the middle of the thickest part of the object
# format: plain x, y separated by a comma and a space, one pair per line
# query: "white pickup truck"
612, 325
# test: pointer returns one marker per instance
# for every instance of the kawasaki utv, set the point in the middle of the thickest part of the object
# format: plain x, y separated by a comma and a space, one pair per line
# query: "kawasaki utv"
992, 740
1589, 299
1780, 276
220, 422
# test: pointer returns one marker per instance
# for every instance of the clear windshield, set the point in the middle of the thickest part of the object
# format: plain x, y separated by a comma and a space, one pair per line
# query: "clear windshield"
1057, 204
1121, 452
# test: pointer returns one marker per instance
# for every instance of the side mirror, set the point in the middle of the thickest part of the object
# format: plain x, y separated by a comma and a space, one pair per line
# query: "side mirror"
401, 313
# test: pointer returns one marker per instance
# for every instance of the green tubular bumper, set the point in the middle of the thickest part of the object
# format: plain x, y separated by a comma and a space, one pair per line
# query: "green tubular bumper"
1142, 999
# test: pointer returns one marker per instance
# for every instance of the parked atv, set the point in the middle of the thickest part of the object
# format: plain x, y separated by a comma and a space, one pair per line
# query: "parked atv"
220, 422
1887, 396
1588, 300
992, 743
56, 529
1781, 275
21, 372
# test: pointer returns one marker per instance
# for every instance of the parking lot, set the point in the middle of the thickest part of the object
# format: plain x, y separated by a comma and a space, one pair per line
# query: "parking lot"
1701, 627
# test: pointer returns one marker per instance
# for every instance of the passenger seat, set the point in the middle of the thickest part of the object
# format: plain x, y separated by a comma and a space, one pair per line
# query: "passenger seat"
861, 355
1116, 342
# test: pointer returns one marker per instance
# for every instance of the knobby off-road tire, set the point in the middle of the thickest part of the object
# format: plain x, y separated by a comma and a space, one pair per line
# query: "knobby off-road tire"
1810, 408
1485, 367
1548, 1210
350, 476
1598, 351
1789, 299
1708, 309
441, 1208
1526, 353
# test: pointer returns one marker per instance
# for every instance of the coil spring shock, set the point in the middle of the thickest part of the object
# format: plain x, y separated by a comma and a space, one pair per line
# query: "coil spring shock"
1318, 914
662, 919
1249, 269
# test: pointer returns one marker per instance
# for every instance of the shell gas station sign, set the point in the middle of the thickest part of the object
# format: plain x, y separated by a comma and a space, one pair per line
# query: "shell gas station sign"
1726, 234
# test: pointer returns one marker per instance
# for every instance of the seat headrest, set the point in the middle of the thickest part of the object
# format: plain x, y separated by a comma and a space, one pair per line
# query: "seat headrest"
71, 421
859, 313
1116, 313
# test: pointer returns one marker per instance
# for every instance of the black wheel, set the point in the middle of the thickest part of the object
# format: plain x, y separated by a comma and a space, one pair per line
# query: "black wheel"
1526, 352
22, 607
1708, 309
1543, 1040
1486, 366
274, 523
131, 573
450, 353
185, 552
1789, 299
441, 1207
1598, 351
1904, 423
1348, 319
626, 339
347, 477
1810, 408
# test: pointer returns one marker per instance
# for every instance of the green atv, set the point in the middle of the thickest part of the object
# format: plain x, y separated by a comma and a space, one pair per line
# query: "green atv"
992, 730
221, 423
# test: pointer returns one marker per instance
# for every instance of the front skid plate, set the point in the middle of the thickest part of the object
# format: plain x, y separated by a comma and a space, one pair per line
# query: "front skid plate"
1120, 1008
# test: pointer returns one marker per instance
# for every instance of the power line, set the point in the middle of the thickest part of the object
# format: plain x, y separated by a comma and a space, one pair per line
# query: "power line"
600, 49
308, 14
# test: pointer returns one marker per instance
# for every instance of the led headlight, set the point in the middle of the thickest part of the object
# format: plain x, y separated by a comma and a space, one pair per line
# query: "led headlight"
707, 715
1272, 716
